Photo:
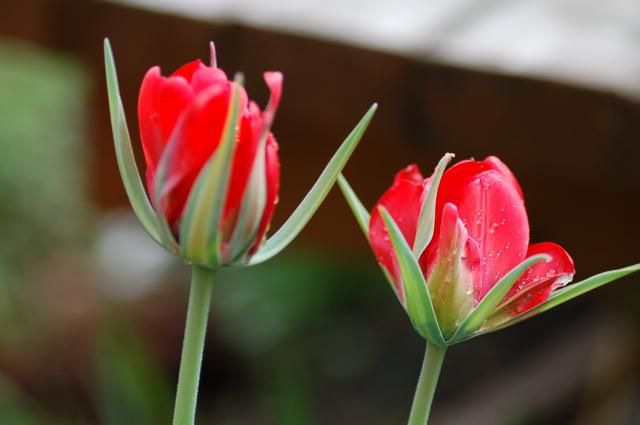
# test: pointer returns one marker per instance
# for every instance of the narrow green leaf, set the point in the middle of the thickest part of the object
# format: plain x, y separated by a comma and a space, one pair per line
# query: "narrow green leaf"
426, 221
251, 208
359, 211
199, 230
161, 184
254, 199
417, 297
570, 292
124, 153
312, 201
362, 217
493, 298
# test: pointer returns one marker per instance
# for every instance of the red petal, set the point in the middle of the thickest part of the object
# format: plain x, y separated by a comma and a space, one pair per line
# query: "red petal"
172, 99
491, 208
149, 133
205, 77
453, 271
536, 284
495, 163
197, 140
243, 161
402, 200
273, 187
452, 235
187, 70
274, 82
161, 103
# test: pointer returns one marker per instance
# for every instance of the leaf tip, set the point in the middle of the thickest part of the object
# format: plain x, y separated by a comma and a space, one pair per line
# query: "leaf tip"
106, 44
238, 78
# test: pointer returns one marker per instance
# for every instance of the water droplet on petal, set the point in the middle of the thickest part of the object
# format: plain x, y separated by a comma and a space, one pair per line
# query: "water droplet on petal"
493, 227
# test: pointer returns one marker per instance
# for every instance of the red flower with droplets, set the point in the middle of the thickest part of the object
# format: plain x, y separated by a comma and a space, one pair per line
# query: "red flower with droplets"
481, 232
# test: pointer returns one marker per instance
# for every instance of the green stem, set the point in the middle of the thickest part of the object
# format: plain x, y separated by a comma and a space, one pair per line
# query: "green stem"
193, 345
433, 358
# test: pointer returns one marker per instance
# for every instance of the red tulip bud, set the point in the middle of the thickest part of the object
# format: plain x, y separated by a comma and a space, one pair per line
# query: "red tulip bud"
182, 125
481, 233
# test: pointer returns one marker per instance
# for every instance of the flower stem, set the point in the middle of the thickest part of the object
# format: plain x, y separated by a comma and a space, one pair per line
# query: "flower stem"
433, 358
193, 345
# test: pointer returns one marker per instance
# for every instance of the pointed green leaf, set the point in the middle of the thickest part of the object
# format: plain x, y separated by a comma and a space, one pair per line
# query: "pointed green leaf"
359, 211
426, 221
493, 298
418, 300
254, 200
161, 183
311, 202
362, 217
252, 208
570, 292
124, 153
199, 230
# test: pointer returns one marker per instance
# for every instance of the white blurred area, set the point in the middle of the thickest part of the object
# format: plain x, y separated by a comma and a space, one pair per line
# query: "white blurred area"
128, 262
594, 43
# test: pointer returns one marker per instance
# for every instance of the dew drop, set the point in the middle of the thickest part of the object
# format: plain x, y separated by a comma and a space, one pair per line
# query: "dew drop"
493, 227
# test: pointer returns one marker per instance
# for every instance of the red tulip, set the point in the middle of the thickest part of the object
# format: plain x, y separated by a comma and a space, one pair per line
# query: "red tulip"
183, 116
481, 233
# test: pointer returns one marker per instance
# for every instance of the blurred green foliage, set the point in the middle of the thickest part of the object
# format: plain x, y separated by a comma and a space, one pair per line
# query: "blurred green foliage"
43, 202
43, 198
132, 388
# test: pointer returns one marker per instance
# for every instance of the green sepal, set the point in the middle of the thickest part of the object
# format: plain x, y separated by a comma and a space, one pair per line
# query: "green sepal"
416, 294
492, 299
359, 211
311, 202
126, 160
427, 218
200, 234
160, 182
251, 209
449, 282
362, 217
565, 294
254, 200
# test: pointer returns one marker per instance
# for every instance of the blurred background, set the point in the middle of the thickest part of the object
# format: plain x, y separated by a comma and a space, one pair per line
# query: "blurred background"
92, 312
